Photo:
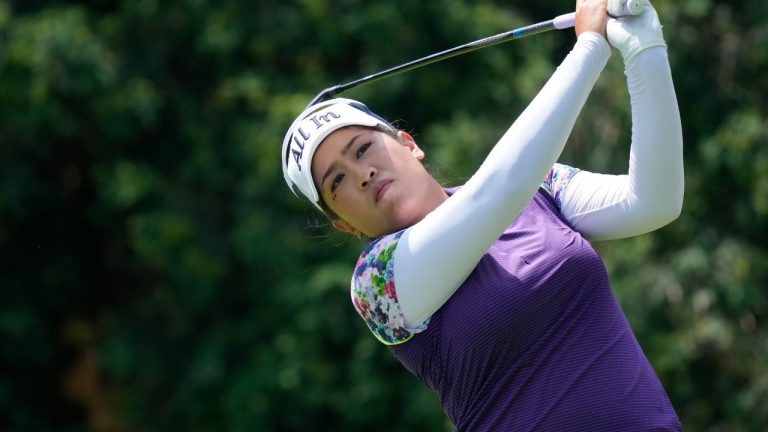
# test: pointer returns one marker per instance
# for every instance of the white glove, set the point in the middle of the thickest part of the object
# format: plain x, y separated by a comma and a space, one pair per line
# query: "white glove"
634, 33
618, 8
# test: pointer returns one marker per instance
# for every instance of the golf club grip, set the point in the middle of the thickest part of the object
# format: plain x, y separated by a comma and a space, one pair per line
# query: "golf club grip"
629, 7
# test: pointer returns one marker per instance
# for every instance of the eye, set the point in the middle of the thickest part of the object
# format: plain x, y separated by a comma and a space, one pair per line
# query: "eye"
336, 181
362, 149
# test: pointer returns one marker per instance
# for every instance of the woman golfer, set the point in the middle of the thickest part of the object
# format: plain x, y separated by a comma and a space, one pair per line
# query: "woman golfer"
490, 293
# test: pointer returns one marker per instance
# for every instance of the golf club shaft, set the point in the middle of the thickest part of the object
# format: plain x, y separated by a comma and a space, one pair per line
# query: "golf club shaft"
559, 23
452, 52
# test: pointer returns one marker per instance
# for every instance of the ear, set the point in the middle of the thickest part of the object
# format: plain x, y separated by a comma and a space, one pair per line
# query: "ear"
344, 226
407, 140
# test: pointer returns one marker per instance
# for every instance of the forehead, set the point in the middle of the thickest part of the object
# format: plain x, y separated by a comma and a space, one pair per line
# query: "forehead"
348, 131
331, 147
339, 138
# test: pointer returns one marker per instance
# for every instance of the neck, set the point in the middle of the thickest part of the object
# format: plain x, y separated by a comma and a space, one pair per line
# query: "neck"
435, 196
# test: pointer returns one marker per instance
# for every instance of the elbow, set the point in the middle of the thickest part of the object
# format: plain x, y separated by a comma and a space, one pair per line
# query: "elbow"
652, 219
665, 211
659, 207
671, 214
662, 203
678, 204
676, 198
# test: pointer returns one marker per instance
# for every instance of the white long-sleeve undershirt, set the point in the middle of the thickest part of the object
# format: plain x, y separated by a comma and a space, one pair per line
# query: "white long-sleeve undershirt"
435, 256
650, 195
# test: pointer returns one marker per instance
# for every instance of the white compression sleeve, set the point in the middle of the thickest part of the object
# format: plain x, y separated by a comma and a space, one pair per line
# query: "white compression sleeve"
650, 196
434, 256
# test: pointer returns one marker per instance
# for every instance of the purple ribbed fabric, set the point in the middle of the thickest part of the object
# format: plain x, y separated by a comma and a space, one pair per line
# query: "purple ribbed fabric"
535, 340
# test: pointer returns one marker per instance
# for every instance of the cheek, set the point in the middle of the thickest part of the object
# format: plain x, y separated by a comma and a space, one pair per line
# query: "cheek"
413, 171
348, 201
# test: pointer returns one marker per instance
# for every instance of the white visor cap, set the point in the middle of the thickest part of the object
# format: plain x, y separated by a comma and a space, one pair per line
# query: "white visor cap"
310, 129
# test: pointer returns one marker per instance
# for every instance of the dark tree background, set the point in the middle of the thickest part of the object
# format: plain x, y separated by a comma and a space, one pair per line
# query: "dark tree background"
157, 274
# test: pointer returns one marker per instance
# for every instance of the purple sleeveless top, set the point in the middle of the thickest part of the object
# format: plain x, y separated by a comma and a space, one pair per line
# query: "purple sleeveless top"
535, 340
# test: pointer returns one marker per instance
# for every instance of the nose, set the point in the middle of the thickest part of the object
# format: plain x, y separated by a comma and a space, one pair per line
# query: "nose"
366, 177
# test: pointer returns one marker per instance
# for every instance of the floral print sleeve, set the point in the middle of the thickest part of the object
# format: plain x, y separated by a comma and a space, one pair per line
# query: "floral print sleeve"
557, 181
373, 292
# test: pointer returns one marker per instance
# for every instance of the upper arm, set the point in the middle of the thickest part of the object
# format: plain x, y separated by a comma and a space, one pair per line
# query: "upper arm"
374, 295
557, 181
605, 206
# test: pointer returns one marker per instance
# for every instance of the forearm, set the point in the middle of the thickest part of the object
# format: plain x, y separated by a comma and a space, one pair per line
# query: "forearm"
656, 156
435, 256
650, 195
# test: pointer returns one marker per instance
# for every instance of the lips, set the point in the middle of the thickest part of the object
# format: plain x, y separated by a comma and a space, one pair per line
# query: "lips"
381, 186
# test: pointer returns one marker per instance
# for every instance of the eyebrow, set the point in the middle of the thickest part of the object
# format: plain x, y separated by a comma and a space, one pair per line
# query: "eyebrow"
343, 153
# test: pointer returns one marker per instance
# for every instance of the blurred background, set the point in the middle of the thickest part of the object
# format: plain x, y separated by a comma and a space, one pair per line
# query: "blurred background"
158, 275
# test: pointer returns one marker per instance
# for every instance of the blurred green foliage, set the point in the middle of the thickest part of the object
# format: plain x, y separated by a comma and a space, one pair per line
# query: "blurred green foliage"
157, 275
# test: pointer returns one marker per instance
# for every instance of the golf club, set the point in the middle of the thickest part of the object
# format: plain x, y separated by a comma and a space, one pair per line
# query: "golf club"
628, 7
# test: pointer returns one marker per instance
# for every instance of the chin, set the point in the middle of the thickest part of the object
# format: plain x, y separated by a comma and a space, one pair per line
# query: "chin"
405, 212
